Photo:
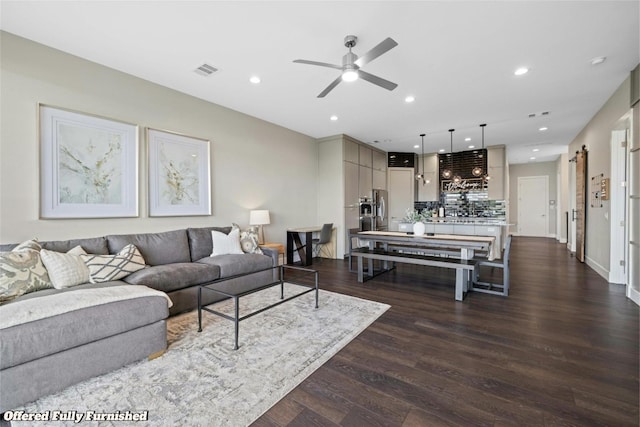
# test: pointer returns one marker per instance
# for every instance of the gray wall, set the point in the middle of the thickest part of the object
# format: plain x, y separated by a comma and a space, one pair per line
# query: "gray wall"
596, 135
254, 164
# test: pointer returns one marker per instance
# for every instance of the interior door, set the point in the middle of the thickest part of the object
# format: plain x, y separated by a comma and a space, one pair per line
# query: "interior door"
581, 202
571, 238
533, 202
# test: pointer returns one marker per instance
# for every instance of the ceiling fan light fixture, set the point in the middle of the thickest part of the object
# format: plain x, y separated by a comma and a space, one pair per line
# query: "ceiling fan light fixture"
350, 75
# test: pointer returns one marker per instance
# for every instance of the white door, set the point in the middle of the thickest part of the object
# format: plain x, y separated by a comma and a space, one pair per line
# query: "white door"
533, 202
401, 190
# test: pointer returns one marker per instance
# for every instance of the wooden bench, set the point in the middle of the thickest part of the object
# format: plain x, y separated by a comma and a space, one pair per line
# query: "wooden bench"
465, 269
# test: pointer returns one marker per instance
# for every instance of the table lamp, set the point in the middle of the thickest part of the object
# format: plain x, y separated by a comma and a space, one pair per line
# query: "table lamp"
259, 218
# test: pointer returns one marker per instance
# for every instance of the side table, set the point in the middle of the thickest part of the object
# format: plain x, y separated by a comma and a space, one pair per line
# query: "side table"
278, 246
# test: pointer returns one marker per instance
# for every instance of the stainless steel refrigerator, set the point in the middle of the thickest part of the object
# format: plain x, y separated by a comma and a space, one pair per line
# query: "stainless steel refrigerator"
380, 201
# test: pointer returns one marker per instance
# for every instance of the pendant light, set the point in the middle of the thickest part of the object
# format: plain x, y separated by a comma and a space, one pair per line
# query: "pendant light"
446, 173
456, 178
420, 176
477, 171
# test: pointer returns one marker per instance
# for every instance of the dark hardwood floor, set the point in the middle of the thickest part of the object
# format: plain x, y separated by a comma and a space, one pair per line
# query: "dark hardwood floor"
562, 349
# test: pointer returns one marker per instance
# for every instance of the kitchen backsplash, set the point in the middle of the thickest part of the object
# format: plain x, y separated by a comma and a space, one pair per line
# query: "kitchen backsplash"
469, 204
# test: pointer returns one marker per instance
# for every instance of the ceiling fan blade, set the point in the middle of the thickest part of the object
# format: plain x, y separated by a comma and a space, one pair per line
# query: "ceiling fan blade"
330, 87
321, 64
377, 80
384, 46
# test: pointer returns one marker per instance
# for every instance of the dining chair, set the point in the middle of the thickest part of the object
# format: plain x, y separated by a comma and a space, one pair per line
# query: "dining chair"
503, 263
325, 237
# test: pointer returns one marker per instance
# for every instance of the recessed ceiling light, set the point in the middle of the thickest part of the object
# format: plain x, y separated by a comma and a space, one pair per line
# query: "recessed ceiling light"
333, 118
520, 71
416, 146
532, 158
254, 79
598, 60
472, 146
543, 128
410, 99
467, 139
535, 150
442, 150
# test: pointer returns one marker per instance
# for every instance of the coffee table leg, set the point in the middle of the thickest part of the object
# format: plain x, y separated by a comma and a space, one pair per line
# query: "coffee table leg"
199, 309
236, 320
316, 289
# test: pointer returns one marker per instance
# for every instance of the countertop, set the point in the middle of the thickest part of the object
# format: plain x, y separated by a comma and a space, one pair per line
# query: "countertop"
467, 221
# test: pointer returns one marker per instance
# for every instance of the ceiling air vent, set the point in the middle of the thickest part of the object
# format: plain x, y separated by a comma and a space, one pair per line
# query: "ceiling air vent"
205, 70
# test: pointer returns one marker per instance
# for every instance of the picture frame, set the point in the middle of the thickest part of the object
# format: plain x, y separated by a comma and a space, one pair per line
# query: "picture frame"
88, 165
179, 174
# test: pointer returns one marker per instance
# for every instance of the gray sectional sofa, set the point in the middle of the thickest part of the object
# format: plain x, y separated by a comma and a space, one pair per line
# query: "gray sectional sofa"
42, 356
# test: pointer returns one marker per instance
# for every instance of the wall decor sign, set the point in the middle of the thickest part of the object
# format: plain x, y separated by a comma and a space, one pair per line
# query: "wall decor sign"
88, 165
179, 174
471, 184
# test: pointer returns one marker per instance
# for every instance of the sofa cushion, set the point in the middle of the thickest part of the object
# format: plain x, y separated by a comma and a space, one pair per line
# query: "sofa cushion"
95, 245
156, 248
22, 271
232, 264
201, 242
171, 277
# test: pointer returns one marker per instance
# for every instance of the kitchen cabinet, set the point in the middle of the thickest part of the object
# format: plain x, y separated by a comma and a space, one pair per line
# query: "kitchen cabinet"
345, 173
379, 179
496, 162
401, 184
379, 161
365, 181
365, 156
351, 152
429, 191
351, 190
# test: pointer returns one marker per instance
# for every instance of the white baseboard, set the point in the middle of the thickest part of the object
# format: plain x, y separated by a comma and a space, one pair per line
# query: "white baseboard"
597, 268
562, 240
633, 295
552, 236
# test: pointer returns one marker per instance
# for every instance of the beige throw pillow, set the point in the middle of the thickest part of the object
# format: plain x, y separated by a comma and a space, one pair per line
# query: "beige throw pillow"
65, 270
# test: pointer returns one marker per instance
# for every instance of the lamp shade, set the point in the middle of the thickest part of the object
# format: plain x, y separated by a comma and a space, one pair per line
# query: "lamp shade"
259, 217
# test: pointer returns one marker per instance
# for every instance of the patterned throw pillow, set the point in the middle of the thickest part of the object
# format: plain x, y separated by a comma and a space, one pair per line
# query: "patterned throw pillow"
224, 244
105, 268
249, 239
65, 270
22, 271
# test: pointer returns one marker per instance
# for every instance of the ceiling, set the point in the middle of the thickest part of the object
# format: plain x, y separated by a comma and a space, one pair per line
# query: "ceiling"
457, 58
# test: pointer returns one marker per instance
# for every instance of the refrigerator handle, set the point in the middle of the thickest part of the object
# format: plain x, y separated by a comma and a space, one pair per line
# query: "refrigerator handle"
382, 208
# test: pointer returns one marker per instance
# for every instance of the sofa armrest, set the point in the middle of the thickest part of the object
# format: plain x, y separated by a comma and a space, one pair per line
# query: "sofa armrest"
272, 252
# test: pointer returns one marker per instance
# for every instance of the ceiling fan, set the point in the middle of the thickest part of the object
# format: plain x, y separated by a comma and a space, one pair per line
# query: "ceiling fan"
351, 64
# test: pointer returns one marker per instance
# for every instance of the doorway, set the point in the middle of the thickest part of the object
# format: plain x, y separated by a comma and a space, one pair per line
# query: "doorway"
533, 202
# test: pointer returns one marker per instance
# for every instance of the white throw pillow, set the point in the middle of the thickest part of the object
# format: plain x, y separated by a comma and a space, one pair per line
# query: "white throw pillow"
65, 270
105, 268
224, 244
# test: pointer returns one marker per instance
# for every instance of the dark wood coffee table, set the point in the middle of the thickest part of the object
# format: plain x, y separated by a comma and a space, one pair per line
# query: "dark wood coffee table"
216, 287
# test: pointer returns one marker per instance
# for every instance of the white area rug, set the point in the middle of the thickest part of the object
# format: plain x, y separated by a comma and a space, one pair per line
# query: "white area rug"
202, 381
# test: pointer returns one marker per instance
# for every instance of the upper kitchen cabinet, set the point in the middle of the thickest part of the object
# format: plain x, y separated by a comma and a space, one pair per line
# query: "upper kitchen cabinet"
496, 162
428, 191
365, 156
379, 161
351, 151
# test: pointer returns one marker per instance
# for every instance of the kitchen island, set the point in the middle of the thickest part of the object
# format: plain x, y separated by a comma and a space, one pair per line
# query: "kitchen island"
465, 226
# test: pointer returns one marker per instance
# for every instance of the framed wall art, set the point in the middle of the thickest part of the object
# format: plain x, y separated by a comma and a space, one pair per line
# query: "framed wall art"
88, 165
179, 174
